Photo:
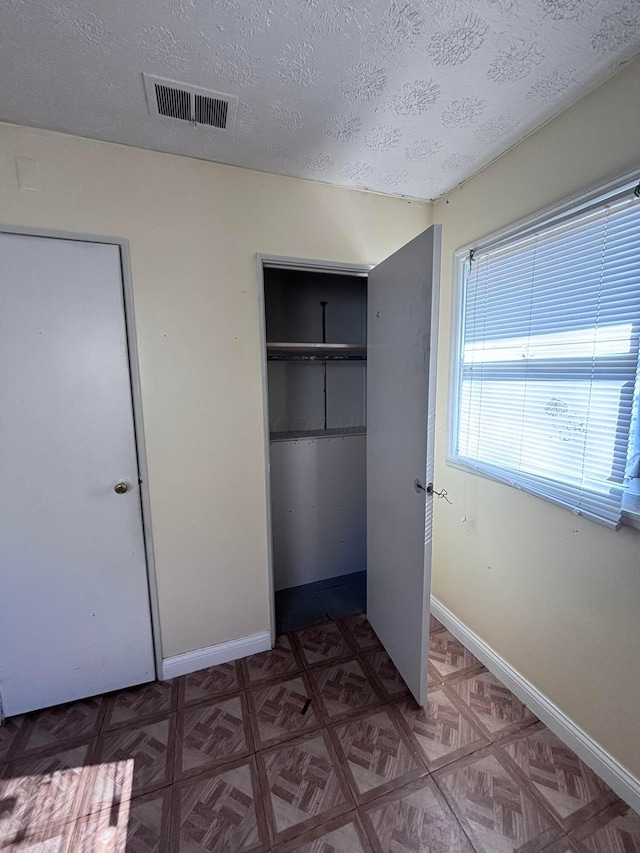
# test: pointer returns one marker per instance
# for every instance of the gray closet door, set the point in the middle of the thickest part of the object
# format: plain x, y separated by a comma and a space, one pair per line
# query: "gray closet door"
401, 375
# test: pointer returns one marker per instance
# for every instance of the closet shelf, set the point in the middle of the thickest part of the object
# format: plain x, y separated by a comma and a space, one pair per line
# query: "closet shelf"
317, 433
285, 351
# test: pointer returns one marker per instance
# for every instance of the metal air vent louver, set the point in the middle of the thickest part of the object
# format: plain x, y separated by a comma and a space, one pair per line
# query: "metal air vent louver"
169, 99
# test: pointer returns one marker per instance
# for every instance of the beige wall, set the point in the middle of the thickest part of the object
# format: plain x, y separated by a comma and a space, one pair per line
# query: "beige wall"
557, 596
194, 229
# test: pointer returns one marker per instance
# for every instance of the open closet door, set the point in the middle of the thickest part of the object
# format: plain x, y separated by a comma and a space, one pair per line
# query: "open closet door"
401, 376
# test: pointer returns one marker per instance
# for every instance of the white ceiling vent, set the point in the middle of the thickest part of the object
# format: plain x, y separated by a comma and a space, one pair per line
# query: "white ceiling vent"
176, 101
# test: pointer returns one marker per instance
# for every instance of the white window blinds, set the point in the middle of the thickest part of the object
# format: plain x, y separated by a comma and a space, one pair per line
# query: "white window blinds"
548, 360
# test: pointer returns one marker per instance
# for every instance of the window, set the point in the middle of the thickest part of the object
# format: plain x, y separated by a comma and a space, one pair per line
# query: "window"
546, 389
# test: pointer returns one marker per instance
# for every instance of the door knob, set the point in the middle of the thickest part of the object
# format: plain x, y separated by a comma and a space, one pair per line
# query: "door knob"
121, 488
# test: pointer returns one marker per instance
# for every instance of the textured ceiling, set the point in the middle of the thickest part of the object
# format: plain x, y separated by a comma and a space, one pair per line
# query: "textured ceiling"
400, 96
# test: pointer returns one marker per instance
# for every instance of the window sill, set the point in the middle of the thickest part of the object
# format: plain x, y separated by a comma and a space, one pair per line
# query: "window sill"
631, 511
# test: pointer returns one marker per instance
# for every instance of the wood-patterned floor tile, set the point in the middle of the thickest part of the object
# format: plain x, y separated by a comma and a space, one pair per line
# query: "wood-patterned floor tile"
443, 732
11, 732
98, 774
221, 811
40, 795
132, 762
58, 841
385, 674
434, 624
283, 710
323, 643
497, 810
274, 664
434, 679
361, 632
377, 754
138, 703
142, 825
562, 845
569, 788
342, 835
63, 724
213, 734
449, 658
616, 829
210, 683
494, 706
303, 785
344, 689
414, 819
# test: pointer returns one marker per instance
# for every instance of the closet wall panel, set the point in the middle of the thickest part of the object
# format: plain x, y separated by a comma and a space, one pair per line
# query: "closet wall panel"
318, 508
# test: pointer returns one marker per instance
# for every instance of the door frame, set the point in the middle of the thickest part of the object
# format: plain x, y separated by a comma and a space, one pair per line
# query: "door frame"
136, 400
302, 265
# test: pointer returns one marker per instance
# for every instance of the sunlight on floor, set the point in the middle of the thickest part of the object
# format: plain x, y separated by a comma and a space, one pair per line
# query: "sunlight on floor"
83, 807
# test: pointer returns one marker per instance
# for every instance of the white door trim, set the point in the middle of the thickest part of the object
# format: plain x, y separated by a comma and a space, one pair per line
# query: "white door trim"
136, 397
285, 263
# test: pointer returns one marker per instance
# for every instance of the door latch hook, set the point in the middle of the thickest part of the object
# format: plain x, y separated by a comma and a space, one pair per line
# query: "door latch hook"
430, 490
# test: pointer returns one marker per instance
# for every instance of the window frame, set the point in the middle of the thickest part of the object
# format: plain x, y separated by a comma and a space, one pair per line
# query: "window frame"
564, 210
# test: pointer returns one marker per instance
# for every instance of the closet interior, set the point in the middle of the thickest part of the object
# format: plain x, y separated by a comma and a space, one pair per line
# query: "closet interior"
316, 373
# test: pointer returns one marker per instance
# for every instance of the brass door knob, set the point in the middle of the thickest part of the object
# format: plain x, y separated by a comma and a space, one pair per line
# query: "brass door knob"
120, 488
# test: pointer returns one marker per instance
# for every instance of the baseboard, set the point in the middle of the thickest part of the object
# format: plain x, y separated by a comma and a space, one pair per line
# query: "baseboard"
213, 655
626, 786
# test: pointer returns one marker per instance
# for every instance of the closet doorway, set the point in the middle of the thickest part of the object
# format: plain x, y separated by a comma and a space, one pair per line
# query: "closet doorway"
349, 394
316, 371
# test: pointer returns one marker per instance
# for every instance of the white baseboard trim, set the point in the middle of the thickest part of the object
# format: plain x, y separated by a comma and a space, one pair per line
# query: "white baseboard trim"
626, 786
213, 655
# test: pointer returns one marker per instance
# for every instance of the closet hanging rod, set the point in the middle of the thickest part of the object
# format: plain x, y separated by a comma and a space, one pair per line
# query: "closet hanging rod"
314, 357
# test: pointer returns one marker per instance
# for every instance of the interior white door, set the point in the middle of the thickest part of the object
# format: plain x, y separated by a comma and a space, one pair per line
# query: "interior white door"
401, 375
74, 609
